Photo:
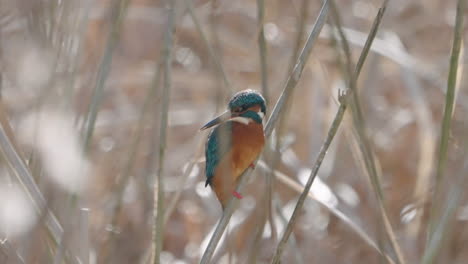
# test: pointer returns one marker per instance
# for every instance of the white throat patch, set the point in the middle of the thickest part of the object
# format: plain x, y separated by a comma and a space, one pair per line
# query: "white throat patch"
261, 115
241, 119
246, 120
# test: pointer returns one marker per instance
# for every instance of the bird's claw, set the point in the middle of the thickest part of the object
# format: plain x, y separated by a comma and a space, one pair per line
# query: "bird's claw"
343, 95
237, 195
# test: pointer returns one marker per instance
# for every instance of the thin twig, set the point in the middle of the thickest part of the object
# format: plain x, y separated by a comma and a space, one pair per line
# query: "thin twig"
20, 170
267, 197
273, 156
260, 228
188, 170
370, 38
158, 229
295, 75
262, 49
442, 228
288, 89
448, 112
427, 147
126, 173
332, 132
118, 13
301, 27
365, 145
293, 242
335, 211
215, 59
7, 249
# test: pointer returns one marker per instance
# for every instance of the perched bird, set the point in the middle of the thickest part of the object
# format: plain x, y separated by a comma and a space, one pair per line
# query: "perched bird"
235, 143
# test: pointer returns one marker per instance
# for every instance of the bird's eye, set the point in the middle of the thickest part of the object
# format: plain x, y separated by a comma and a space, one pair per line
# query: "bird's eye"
238, 109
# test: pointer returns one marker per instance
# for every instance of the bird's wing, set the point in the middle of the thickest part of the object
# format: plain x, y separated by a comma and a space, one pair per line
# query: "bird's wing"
218, 144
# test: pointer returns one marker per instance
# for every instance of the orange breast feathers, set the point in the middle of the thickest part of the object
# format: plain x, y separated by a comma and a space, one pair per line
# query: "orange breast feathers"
247, 144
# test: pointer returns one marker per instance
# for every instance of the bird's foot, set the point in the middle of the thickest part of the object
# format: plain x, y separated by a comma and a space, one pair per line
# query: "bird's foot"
344, 95
252, 166
237, 195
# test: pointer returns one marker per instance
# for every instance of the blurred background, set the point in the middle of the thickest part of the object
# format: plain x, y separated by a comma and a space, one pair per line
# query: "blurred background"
82, 99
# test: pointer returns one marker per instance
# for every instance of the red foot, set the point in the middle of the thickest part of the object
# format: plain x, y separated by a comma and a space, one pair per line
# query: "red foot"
237, 195
252, 165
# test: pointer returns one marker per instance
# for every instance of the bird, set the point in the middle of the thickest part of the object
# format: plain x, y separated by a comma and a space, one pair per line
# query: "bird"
234, 143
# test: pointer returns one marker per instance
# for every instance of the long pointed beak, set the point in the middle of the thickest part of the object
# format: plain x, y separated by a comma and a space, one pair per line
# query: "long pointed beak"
217, 120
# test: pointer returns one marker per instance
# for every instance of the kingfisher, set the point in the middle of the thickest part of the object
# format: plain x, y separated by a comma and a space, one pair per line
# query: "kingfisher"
235, 143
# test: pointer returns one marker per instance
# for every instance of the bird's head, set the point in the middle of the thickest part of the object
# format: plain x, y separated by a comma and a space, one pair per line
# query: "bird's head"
245, 106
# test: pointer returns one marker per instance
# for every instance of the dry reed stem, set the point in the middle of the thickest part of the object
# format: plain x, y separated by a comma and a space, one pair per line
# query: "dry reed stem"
447, 119
158, 228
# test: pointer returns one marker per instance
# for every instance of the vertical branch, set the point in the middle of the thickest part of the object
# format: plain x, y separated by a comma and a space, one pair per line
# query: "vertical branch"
262, 48
274, 156
267, 197
298, 258
171, 205
301, 26
215, 59
442, 227
118, 14
158, 229
295, 75
448, 111
132, 154
84, 236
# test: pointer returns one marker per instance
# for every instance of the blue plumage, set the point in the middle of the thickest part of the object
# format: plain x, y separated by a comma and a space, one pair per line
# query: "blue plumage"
246, 98
216, 148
